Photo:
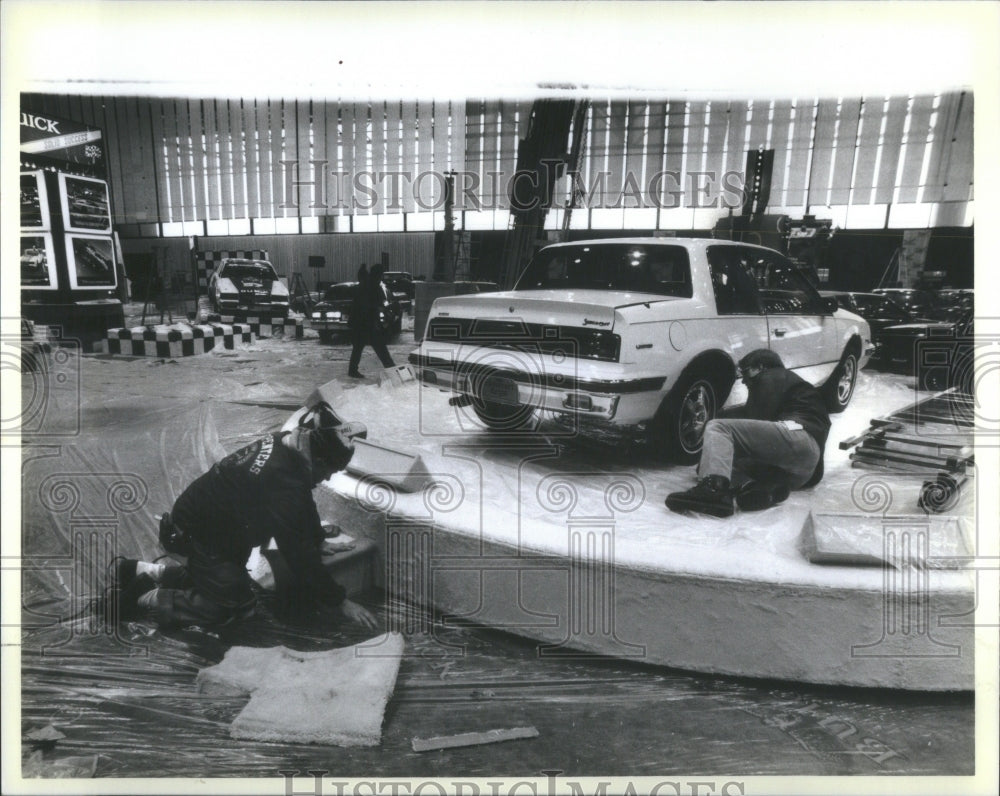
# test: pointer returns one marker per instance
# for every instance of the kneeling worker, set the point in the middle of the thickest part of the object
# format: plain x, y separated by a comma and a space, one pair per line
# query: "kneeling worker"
776, 446
261, 491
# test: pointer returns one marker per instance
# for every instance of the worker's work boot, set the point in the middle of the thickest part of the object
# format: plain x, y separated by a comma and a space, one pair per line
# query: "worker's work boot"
120, 599
711, 495
762, 494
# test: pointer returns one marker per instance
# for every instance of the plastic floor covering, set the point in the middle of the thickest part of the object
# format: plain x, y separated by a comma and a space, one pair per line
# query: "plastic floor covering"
122, 438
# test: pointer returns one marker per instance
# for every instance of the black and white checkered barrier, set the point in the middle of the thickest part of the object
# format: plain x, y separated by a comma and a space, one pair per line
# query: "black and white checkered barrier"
263, 325
179, 340
207, 261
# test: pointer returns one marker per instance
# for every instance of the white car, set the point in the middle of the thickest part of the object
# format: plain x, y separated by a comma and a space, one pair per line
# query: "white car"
638, 337
247, 286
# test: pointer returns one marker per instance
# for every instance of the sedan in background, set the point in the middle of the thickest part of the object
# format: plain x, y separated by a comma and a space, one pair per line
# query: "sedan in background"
332, 315
248, 287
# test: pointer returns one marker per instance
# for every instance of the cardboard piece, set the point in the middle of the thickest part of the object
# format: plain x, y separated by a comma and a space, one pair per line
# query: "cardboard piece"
931, 542
400, 469
397, 375
335, 697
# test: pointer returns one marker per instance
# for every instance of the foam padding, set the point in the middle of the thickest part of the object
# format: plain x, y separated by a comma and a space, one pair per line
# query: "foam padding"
334, 697
933, 542
397, 468
176, 340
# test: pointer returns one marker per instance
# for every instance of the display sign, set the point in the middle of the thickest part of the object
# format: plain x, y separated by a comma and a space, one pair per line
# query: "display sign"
91, 261
38, 265
34, 202
86, 206
52, 138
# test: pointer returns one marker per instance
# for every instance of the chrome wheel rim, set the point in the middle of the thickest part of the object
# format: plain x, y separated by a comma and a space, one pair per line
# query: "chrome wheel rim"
845, 386
697, 408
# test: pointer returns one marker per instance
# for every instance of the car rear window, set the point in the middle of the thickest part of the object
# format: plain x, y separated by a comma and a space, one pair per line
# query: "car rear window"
636, 268
256, 270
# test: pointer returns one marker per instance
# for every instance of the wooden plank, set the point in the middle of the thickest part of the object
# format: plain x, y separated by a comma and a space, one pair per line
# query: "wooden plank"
656, 141
156, 122
596, 160
916, 144
264, 155
869, 129
177, 131
441, 155
213, 163
200, 208
780, 121
458, 135
246, 147
425, 153
307, 195
697, 130
224, 145
942, 126
717, 121
616, 149
847, 141
378, 152
393, 155
760, 113
472, 739
346, 134
475, 116
146, 207
961, 159
409, 152
892, 141
736, 133
491, 131
117, 144
824, 145
801, 148
286, 203
635, 144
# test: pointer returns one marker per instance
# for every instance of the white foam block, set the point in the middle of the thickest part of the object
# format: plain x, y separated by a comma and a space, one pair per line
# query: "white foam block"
334, 697
934, 542
398, 468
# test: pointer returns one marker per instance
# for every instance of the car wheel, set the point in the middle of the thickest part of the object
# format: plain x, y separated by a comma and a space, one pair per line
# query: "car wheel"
502, 417
679, 426
839, 388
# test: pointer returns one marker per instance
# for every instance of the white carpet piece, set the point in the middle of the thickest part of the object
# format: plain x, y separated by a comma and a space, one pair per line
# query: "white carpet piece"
333, 697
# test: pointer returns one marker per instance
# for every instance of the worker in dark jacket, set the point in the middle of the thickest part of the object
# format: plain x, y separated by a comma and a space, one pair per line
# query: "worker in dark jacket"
369, 320
776, 446
261, 491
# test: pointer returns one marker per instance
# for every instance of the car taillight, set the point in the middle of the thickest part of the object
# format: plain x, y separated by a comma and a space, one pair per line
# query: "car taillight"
594, 343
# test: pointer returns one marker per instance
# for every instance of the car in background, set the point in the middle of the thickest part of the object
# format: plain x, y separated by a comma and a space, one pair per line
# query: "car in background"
951, 304
332, 314
879, 310
636, 338
916, 303
400, 284
939, 354
247, 286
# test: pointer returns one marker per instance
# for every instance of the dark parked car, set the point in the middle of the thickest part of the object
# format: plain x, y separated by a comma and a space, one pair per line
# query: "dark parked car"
916, 303
940, 354
332, 315
400, 283
951, 304
879, 310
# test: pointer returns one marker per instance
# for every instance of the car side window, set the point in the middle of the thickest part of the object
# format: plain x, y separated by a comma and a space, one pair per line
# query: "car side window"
735, 289
783, 290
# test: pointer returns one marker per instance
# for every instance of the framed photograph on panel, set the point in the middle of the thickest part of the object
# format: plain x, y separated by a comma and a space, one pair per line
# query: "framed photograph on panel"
91, 262
38, 266
86, 205
34, 202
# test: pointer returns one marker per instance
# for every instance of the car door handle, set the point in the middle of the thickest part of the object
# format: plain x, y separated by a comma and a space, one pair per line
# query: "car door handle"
780, 332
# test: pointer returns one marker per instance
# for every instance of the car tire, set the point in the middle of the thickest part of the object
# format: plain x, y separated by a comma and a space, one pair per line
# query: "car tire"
502, 417
839, 388
679, 425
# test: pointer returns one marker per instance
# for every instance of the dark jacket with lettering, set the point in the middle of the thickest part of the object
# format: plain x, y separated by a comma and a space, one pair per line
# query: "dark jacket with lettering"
261, 491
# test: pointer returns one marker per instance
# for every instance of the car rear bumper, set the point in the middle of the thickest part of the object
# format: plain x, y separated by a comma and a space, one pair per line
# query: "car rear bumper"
623, 401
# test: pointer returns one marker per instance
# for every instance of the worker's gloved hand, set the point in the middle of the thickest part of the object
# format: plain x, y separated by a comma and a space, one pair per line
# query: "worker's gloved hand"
358, 614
